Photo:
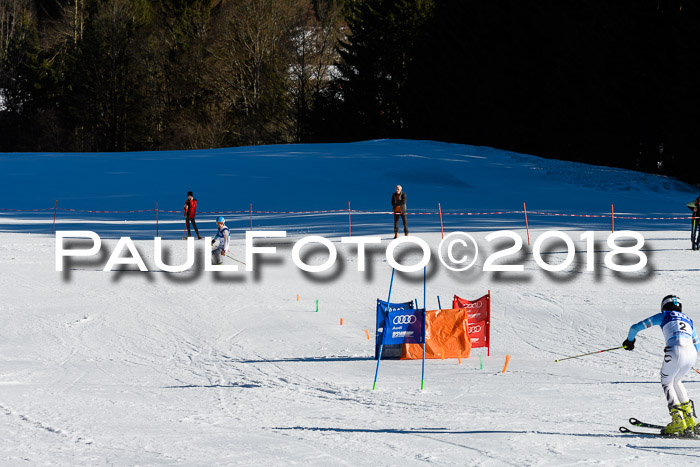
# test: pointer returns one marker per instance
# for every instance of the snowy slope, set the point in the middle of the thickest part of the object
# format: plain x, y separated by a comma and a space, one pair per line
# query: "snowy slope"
131, 368
325, 177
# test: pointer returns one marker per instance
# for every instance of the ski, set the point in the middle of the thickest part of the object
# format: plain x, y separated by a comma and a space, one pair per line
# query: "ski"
657, 434
641, 424
627, 431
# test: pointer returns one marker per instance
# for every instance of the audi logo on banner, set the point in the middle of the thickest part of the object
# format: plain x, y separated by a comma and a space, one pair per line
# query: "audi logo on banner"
404, 319
473, 329
472, 305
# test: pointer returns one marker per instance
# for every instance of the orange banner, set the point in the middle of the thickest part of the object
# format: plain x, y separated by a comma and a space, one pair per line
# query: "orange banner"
446, 336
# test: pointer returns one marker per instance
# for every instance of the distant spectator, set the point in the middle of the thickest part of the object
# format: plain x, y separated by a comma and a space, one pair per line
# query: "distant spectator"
695, 231
190, 212
220, 241
398, 204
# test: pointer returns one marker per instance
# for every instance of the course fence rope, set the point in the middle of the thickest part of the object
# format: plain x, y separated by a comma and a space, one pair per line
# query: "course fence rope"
359, 211
612, 216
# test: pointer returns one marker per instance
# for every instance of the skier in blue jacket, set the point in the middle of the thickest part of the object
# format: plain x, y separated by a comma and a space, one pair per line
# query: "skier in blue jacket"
680, 354
220, 241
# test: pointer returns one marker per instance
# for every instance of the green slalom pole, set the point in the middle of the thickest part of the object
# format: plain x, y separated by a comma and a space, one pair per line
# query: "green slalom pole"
589, 353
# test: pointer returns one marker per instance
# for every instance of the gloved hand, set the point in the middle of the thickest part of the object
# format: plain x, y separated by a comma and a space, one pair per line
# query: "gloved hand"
212, 242
628, 345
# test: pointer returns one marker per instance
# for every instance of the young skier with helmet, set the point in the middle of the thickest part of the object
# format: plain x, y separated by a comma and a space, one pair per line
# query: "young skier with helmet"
680, 354
220, 241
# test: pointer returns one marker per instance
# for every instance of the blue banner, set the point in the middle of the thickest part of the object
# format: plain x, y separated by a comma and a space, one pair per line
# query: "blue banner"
405, 327
381, 315
403, 323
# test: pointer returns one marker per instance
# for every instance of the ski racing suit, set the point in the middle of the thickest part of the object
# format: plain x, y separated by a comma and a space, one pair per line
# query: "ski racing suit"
220, 243
680, 353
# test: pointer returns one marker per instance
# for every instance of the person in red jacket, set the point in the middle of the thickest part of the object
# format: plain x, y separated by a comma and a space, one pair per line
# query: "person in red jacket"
190, 212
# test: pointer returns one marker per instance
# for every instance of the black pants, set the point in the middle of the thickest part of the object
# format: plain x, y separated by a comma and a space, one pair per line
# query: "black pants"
194, 224
396, 222
695, 235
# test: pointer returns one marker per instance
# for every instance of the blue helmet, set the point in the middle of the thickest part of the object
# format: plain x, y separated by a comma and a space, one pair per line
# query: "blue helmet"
220, 220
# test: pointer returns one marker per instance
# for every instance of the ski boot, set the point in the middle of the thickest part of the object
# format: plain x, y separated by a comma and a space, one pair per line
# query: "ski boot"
677, 426
688, 409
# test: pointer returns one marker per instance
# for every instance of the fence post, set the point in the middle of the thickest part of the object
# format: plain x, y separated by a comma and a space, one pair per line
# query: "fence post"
53, 229
441, 231
527, 227
349, 221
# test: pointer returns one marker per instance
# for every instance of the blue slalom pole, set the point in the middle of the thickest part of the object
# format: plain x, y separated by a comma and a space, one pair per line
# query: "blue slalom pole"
422, 376
425, 268
386, 323
439, 306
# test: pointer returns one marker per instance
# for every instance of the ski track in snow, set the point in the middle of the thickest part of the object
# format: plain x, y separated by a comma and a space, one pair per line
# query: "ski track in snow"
228, 373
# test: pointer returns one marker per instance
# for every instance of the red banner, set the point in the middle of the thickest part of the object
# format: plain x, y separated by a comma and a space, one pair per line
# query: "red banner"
479, 313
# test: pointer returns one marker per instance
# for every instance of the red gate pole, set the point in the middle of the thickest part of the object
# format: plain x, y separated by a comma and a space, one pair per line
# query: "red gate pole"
349, 221
612, 210
488, 328
526, 226
441, 231
156, 218
53, 229
251, 216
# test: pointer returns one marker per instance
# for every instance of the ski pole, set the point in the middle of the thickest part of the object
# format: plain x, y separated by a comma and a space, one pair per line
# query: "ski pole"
229, 256
590, 353
696, 371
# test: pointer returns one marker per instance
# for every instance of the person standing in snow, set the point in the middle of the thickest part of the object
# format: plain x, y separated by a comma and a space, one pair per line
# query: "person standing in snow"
695, 232
680, 354
190, 212
220, 241
398, 205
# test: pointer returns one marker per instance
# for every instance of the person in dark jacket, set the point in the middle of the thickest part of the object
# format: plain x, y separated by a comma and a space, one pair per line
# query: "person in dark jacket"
190, 212
398, 205
695, 232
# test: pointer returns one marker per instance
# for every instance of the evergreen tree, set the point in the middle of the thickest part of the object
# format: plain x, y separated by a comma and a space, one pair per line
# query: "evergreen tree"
21, 81
107, 99
376, 58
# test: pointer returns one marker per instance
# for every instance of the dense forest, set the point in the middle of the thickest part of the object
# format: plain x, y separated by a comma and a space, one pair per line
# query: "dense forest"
598, 81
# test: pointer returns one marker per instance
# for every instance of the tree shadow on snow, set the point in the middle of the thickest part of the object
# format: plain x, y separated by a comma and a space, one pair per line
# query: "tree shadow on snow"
308, 359
214, 386
446, 431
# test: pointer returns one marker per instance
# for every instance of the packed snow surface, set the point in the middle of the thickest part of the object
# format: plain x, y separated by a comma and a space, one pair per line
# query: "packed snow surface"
204, 368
